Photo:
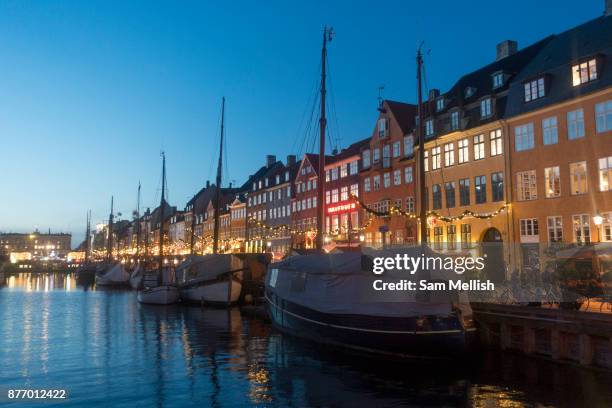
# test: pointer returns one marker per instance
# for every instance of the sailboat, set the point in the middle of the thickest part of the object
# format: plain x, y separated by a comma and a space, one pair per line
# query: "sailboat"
216, 278
85, 274
329, 298
137, 275
159, 288
111, 273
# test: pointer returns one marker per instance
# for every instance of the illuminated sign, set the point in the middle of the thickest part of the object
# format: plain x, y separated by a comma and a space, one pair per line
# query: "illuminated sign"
341, 208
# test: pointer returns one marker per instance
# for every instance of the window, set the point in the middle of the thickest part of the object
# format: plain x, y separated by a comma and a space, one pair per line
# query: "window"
498, 79
437, 197
605, 173
464, 192
355, 190
334, 174
485, 108
575, 124
344, 193
376, 155
396, 149
408, 145
480, 188
549, 131
529, 227
454, 120
534, 89
496, 142
466, 236
326, 176
410, 204
286, 176
526, 185
387, 156
426, 160
408, 174
344, 170
552, 180
555, 229
582, 229
606, 227
451, 236
449, 189
387, 180
376, 183
334, 195
584, 72
366, 184
397, 177
436, 160
479, 149
578, 178
365, 158
523, 137
439, 104
449, 154
438, 232
464, 152
383, 127
353, 167
603, 116
429, 127
497, 186
469, 91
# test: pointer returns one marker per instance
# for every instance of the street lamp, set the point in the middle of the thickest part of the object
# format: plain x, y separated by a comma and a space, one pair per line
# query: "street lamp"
361, 238
597, 220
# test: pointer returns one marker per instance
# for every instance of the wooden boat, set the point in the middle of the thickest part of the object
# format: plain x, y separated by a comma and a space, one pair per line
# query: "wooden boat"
112, 275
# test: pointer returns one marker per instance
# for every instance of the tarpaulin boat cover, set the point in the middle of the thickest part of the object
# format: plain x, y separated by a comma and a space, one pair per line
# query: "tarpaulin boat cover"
116, 273
339, 283
204, 268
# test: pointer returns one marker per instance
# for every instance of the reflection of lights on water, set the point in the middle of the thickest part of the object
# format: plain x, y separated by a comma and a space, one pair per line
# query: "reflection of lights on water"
259, 380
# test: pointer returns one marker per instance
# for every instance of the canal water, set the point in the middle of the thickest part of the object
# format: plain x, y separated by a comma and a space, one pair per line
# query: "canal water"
107, 350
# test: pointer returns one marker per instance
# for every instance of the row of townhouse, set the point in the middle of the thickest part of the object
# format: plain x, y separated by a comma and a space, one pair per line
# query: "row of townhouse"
524, 141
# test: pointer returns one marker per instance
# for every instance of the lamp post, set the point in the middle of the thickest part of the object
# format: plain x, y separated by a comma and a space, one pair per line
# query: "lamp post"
597, 220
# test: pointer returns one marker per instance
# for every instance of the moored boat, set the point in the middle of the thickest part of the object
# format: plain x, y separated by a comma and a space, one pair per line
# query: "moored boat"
113, 275
136, 277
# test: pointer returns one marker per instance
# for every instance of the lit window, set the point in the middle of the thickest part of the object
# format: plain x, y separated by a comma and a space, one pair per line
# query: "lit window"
344, 193
534, 89
426, 160
496, 142
526, 185
353, 167
603, 116
334, 195
552, 180
344, 170
584, 72
466, 236
523, 137
529, 227
479, 149
410, 204
575, 124
605, 173
578, 178
449, 154
582, 229
555, 229
355, 190
435, 158
464, 152
549, 131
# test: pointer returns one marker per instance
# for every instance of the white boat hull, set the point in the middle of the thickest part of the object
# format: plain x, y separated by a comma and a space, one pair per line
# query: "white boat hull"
136, 278
159, 295
213, 293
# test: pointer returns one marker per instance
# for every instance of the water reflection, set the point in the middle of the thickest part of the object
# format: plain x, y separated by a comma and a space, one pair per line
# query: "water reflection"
106, 349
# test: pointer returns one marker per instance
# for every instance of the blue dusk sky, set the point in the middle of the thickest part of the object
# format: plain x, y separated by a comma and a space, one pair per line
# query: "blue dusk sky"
92, 91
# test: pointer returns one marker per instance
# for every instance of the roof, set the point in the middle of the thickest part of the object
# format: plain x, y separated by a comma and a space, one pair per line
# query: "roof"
593, 38
404, 114
352, 150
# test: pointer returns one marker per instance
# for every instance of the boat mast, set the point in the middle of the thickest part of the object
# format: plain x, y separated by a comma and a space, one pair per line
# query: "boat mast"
327, 35
218, 182
87, 236
109, 249
138, 223
161, 215
420, 134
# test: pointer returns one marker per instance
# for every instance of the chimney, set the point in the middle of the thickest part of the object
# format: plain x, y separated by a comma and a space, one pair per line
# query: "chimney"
433, 94
230, 185
607, 8
290, 160
207, 183
505, 49
334, 152
270, 160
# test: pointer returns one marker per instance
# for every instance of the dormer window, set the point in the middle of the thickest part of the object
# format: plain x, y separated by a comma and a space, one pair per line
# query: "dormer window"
383, 127
469, 91
498, 80
485, 108
454, 120
439, 104
534, 89
584, 72
429, 127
